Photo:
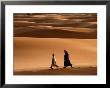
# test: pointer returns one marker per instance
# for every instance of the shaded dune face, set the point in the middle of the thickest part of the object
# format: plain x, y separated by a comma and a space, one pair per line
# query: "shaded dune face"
56, 25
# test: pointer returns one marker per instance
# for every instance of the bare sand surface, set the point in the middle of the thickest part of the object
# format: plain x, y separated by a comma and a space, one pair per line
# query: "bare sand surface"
36, 53
60, 71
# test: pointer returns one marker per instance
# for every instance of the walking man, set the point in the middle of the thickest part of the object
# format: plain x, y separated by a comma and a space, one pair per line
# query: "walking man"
66, 59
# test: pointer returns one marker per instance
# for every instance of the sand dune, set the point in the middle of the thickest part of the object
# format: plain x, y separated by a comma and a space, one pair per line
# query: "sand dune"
56, 25
55, 33
32, 53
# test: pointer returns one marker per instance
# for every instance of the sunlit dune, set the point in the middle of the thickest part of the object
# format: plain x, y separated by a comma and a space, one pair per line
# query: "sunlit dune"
37, 16
49, 32
22, 22
64, 28
33, 53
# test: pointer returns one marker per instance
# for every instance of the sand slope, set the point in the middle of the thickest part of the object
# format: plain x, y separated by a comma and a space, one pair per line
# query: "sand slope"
33, 53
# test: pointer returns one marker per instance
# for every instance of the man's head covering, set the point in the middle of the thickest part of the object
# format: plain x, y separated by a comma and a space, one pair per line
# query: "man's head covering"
65, 51
53, 54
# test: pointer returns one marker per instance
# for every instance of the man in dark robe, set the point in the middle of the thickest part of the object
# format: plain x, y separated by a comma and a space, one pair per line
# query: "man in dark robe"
66, 59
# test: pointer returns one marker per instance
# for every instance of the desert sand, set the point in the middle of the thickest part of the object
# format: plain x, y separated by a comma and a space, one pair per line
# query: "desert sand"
35, 53
60, 71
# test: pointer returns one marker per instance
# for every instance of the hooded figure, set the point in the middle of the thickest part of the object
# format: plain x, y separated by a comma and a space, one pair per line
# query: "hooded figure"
53, 62
66, 59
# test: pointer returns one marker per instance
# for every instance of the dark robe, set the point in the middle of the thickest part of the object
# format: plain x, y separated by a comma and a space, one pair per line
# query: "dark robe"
66, 59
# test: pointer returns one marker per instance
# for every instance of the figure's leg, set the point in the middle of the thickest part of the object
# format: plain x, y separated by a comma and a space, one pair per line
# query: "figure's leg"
64, 66
57, 66
51, 66
71, 65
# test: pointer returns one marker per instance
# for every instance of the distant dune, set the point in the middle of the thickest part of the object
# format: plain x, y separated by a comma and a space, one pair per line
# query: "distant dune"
60, 71
56, 25
54, 33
